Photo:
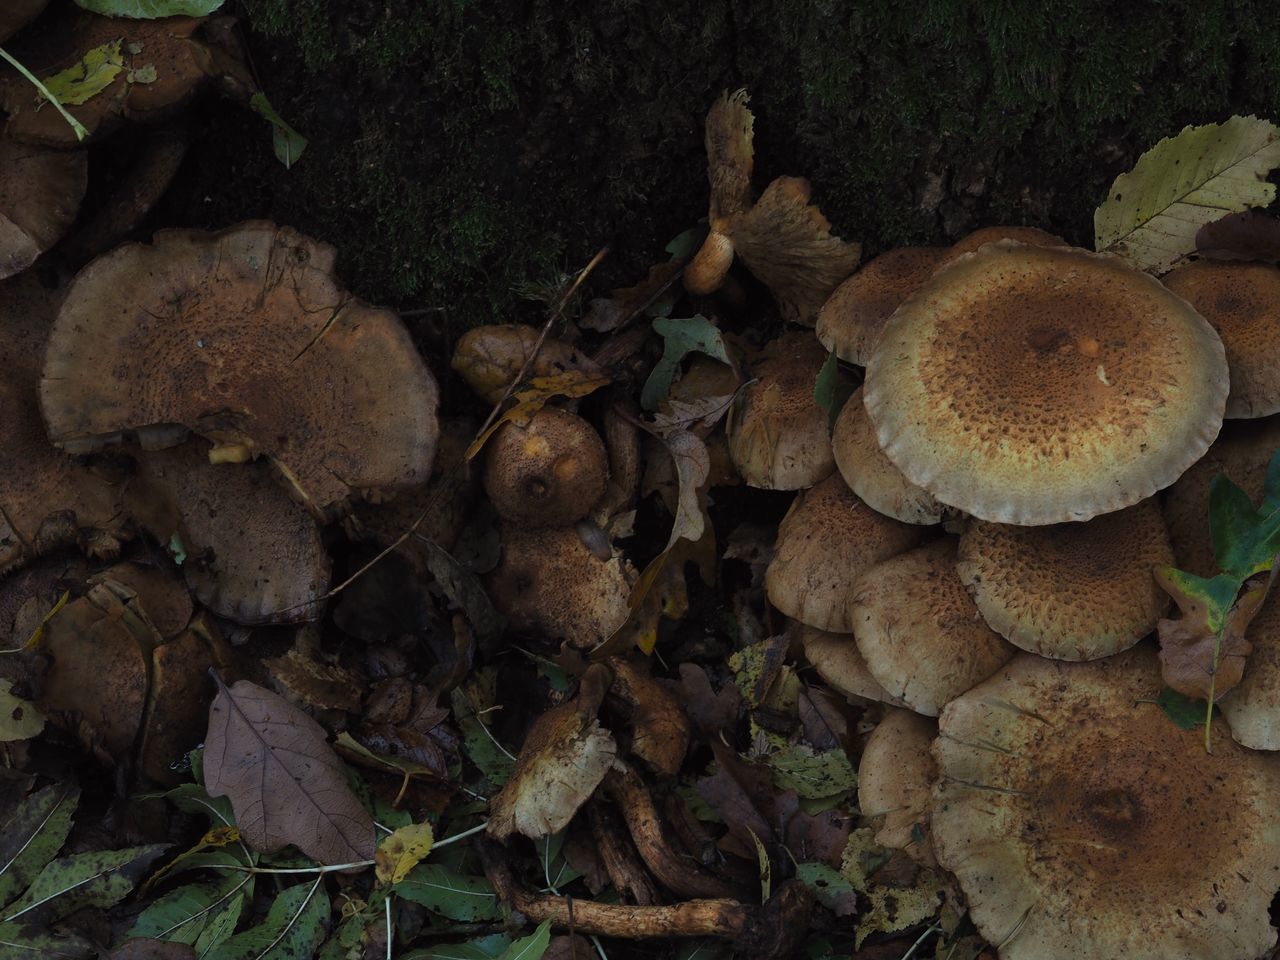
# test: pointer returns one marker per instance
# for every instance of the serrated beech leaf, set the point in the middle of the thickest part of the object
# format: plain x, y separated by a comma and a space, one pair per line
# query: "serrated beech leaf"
285, 783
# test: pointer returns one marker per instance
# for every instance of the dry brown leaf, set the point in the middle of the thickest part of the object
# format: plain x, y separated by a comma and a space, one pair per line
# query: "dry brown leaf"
322, 685
285, 783
659, 726
533, 396
1250, 235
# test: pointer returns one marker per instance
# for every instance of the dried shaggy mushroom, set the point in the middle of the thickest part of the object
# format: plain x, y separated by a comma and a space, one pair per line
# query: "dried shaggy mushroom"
777, 432
919, 631
1242, 302
16, 14
1070, 591
836, 658
1035, 385
250, 553
40, 194
1080, 822
825, 542
245, 338
549, 582
872, 475
895, 782
728, 137
548, 472
47, 500
489, 357
1032, 236
851, 320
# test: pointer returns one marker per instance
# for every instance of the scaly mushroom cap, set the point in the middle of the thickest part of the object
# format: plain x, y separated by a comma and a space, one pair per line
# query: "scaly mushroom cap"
1035, 385
1031, 236
852, 319
836, 658
919, 631
895, 781
777, 432
825, 542
252, 554
160, 591
547, 473
16, 14
1252, 707
872, 475
244, 337
1080, 822
1070, 591
489, 357
40, 194
1242, 302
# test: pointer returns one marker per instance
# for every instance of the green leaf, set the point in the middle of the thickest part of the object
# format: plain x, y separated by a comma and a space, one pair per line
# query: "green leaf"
830, 888
33, 836
450, 894
696, 334
88, 76
811, 774
488, 948
191, 798
1186, 714
287, 142
294, 928
223, 924
151, 9
478, 740
831, 390
100, 878
685, 244
1152, 213
20, 941
1215, 595
531, 947
1245, 540
183, 914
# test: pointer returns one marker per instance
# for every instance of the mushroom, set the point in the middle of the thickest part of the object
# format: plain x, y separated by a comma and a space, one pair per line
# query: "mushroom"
1252, 707
1032, 236
245, 338
1242, 302
1070, 591
548, 472
825, 542
489, 357
872, 475
918, 630
1034, 385
895, 782
1081, 823
778, 435
838, 661
16, 14
40, 194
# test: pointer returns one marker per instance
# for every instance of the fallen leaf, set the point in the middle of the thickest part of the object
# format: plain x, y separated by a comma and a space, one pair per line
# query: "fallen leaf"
1245, 539
19, 719
22, 940
287, 143
286, 784
33, 836
694, 334
88, 76
148, 949
1186, 714
294, 927
655, 295
710, 712
533, 396
151, 9
829, 888
99, 878
812, 774
185, 913
452, 895
403, 850
1249, 235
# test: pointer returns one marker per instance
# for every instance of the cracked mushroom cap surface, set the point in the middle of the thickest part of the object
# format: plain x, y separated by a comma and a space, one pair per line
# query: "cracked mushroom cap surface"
1070, 591
825, 542
1035, 385
895, 782
40, 194
243, 337
1081, 822
1242, 302
919, 632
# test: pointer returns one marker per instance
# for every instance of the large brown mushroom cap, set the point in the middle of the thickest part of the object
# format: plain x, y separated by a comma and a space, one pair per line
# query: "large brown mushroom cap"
825, 542
1080, 822
16, 14
895, 782
1036, 385
1242, 301
1032, 236
1070, 591
244, 337
919, 631
548, 472
40, 194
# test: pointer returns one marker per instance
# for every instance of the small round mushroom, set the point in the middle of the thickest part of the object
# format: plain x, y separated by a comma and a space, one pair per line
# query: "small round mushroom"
836, 658
548, 472
489, 357
1070, 591
778, 436
1242, 302
919, 631
40, 194
895, 781
872, 475
1080, 822
825, 542
1035, 385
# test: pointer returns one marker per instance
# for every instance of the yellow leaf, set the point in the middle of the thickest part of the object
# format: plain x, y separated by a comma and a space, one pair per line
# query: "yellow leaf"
38, 633
19, 719
533, 396
88, 77
220, 837
402, 851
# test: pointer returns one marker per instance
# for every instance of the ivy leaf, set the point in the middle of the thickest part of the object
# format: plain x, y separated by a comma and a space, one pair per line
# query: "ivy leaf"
100, 878
695, 334
1245, 540
294, 928
33, 836
452, 895
151, 9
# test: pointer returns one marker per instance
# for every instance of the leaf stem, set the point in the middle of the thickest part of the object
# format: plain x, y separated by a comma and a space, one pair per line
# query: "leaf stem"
333, 868
76, 125
1213, 681
459, 836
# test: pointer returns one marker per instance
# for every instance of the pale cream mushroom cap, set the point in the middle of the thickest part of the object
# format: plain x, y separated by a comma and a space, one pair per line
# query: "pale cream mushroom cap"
895, 781
919, 631
1080, 822
1070, 591
838, 661
1037, 385
1252, 707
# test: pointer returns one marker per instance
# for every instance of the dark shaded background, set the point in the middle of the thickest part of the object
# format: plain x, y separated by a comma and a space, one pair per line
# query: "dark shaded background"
462, 150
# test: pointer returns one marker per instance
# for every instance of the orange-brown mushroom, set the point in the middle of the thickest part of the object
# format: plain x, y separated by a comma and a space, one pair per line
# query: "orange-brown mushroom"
40, 193
548, 472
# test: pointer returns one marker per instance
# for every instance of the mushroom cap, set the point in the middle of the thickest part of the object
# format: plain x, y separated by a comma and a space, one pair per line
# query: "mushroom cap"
549, 582
1242, 302
1035, 385
852, 319
825, 542
1070, 591
40, 194
160, 591
16, 14
489, 357
778, 435
253, 555
245, 338
710, 265
1252, 707
548, 472
838, 661
919, 631
895, 781
1080, 822
872, 475
1031, 236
